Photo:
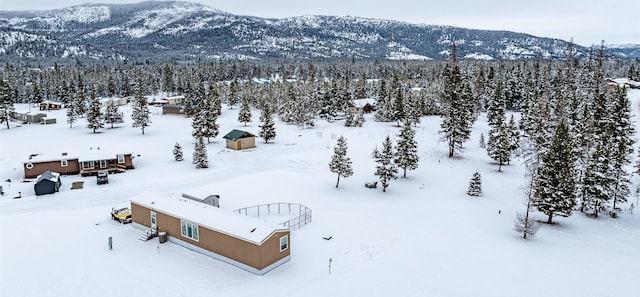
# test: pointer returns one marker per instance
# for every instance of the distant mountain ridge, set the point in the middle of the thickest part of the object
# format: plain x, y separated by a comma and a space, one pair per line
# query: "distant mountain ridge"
184, 30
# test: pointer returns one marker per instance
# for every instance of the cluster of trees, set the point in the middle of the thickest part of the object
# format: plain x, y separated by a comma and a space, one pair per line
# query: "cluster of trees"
390, 158
574, 131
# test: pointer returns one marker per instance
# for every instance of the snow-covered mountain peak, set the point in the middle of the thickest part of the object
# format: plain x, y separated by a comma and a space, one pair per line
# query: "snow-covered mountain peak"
84, 14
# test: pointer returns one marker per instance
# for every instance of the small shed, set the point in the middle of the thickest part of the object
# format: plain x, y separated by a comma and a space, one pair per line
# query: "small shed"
47, 183
240, 140
172, 109
47, 121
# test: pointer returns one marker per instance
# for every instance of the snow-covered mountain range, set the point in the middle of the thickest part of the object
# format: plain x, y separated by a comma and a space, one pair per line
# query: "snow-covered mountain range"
188, 30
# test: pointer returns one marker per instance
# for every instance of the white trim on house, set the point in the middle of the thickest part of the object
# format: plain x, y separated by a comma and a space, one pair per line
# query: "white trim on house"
189, 230
120, 158
64, 163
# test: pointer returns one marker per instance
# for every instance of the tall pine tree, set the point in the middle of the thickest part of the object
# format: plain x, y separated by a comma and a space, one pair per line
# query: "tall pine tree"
94, 113
267, 129
140, 113
7, 102
340, 163
556, 183
386, 169
407, 149
200, 156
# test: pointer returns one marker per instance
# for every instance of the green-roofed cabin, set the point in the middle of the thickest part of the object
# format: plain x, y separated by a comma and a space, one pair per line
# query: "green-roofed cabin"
240, 140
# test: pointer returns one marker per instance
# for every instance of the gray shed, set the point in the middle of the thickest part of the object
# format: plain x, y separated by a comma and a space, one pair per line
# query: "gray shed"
47, 183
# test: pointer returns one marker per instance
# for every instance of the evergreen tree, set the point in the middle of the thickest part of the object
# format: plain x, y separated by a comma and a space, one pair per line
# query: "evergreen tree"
386, 169
598, 181
458, 115
340, 163
399, 113
556, 181
622, 145
112, 114
177, 152
499, 145
200, 157
407, 149
94, 113
233, 94
244, 114
360, 120
514, 135
140, 113
7, 102
267, 129
204, 121
72, 115
475, 185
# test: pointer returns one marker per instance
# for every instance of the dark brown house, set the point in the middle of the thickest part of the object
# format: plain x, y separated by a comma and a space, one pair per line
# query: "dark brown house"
38, 164
50, 105
235, 239
89, 164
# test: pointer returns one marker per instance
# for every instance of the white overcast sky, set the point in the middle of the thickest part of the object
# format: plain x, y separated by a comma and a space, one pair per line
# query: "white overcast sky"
588, 22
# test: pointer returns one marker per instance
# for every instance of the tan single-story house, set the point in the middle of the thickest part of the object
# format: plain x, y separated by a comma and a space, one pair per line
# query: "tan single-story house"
92, 161
240, 140
235, 239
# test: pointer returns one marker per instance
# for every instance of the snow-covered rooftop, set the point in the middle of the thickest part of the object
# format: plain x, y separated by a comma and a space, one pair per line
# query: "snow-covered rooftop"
214, 218
91, 154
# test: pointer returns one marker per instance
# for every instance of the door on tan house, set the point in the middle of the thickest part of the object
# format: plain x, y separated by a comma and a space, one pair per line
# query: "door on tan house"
154, 221
239, 144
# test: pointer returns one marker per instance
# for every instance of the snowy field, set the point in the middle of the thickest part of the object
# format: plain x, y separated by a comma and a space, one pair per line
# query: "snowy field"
423, 237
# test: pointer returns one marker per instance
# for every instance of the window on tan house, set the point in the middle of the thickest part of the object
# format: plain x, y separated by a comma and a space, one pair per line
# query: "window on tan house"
284, 243
189, 230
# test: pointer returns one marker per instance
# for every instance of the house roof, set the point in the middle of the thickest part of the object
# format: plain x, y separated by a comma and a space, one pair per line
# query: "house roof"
224, 221
237, 134
48, 175
93, 154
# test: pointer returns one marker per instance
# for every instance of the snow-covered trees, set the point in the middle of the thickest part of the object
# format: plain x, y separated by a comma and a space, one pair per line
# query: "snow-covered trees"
200, 156
244, 114
556, 182
7, 102
406, 149
457, 109
475, 185
177, 152
267, 129
140, 113
499, 144
112, 114
386, 170
340, 163
204, 121
94, 113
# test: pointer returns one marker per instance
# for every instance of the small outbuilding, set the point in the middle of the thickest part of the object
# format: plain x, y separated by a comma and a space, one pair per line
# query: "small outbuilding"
47, 183
240, 140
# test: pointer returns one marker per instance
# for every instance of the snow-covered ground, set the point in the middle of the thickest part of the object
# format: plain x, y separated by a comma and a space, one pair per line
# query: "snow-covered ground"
423, 237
